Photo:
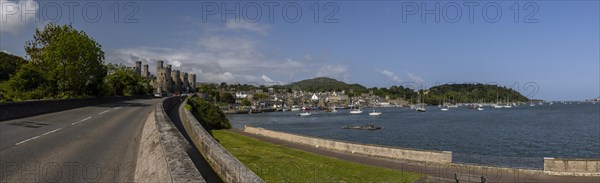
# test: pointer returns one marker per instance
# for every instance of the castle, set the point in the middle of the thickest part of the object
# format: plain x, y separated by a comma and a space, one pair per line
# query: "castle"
166, 79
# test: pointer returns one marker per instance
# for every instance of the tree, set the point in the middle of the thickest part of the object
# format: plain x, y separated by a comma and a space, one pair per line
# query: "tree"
209, 115
226, 97
246, 102
27, 83
72, 61
9, 65
122, 81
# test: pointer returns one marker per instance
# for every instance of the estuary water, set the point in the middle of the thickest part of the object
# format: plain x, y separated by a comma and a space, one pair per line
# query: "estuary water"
517, 137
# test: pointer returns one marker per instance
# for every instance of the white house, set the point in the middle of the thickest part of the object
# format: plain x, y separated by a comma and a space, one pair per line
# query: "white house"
314, 97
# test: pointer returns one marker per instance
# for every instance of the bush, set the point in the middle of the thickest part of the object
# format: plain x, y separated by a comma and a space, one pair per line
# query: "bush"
209, 115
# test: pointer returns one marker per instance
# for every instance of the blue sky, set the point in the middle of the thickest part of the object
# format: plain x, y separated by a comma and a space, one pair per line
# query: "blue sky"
382, 43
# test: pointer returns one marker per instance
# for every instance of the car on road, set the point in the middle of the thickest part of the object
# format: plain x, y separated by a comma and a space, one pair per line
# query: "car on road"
157, 95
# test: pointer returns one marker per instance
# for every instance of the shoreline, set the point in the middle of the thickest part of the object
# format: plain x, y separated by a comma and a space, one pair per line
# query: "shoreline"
552, 166
484, 138
436, 171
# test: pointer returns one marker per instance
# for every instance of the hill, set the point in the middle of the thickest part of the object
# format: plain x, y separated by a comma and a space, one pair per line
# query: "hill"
322, 84
472, 93
9, 64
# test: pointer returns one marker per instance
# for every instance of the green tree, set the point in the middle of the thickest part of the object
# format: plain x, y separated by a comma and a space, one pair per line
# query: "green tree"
27, 83
122, 81
209, 115
9, 65
246, 102
71, 60
261, 96
226, 97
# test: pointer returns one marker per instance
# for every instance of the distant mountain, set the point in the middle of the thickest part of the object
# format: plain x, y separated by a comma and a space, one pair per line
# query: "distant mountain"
323, 84
9, 64
472, 93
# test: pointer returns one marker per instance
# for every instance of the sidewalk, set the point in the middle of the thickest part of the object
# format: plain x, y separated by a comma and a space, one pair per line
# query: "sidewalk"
433, 172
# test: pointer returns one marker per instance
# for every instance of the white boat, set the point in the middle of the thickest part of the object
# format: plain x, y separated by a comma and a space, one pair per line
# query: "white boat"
496, 106
356, 111
445, 109
507, 106
480, 109
421, 107
295, 108
375, 113
531, 105
304, 114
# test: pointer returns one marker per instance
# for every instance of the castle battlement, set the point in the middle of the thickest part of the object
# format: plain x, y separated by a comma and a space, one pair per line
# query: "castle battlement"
166, 79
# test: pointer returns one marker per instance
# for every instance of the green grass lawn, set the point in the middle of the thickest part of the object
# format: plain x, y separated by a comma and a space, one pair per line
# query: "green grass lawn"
275, 163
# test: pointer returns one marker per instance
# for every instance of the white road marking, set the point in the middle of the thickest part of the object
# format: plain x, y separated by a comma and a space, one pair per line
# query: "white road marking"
103, 112
116, 108
81, 120
38, 136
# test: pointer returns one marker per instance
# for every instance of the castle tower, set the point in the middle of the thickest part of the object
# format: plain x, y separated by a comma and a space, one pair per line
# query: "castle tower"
192, 82
137, 70
159, 81
184, 82
146, 72
176, 81
168, 79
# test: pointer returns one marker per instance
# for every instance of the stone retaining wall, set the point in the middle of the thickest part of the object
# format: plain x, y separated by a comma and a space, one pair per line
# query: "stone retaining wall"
365, 149
225, 165
13, 110
162, 155
576, 167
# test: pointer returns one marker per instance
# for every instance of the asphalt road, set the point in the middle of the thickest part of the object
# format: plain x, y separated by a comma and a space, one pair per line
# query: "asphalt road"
90, 144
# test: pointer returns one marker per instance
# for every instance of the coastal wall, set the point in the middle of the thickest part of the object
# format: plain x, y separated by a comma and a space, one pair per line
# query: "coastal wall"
13, 110
225, 165
365, 149
162, 155
575, 167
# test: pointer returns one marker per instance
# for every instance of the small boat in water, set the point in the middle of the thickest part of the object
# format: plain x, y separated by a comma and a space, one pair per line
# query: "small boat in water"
445, 109
304, 114
480, 109
375, 113
356, 111
369, 126
295, 108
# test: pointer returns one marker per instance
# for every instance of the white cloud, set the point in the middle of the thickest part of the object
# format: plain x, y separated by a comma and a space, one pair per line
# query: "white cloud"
175, 63
246, 26
334, 71
214, 58
267, 79
16, 14
390, 75
224, 57
415, 78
